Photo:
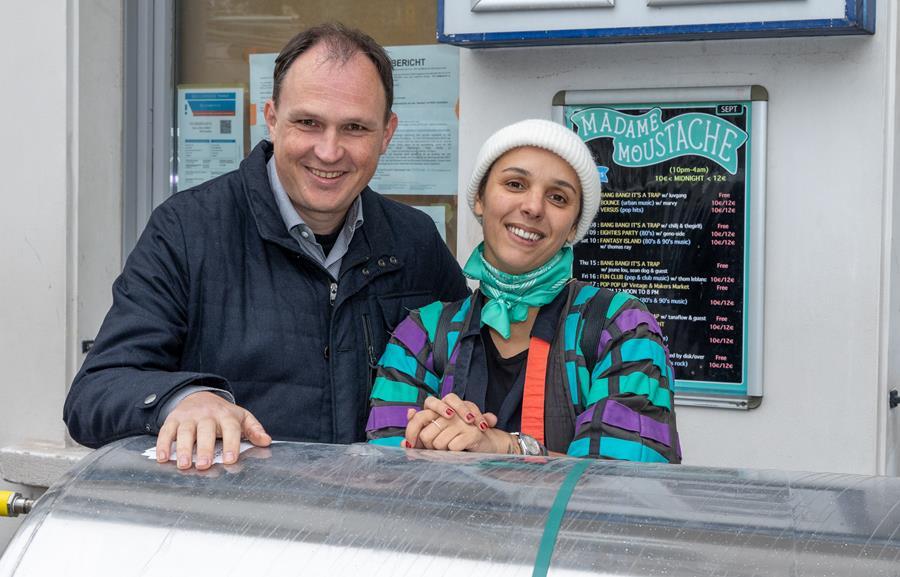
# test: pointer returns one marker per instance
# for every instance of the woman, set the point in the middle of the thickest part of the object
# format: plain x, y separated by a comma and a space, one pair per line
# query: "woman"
533, 360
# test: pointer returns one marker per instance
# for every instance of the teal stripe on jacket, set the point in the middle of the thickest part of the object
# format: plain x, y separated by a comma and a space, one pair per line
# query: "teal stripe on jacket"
636, 350
394, 391
387, 441
429, 315
585, 294
395, 357
616, 303
614, 448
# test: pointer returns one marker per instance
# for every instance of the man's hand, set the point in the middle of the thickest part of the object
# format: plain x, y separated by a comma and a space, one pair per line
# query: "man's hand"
201, 418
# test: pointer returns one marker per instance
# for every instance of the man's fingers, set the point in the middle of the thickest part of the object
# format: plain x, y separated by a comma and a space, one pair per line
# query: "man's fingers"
206, 443
231, 440
164, 440
200, 418
184, 444
254, 431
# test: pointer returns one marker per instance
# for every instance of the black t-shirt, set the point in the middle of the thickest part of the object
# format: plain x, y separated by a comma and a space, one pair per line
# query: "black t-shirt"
327, 241
502, 375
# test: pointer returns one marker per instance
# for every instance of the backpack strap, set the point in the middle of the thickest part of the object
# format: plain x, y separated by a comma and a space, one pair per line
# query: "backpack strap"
441, 349
594, 314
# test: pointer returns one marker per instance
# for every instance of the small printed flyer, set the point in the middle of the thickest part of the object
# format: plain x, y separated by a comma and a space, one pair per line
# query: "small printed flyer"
210, 132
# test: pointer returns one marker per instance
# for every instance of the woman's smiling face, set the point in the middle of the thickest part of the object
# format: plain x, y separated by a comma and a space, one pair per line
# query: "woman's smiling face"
529, 205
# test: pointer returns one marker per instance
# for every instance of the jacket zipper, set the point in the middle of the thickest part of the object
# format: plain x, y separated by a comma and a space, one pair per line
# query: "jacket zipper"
332, 293
370, 348
373, 362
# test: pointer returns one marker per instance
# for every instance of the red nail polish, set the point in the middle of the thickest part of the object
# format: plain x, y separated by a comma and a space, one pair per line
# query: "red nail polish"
449, 412
483, 426
407, 445
470, 417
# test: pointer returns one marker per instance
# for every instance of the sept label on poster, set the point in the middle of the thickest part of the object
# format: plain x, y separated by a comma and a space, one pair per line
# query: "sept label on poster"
674, 229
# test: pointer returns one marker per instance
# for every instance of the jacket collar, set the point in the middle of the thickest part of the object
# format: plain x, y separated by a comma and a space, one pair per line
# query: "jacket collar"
261, 199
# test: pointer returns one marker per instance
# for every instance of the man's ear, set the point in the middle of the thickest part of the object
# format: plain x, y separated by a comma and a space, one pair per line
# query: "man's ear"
389, 132
271, 117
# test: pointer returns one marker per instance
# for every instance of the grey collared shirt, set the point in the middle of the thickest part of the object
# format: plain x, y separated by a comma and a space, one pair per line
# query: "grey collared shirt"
305, 236
308, 244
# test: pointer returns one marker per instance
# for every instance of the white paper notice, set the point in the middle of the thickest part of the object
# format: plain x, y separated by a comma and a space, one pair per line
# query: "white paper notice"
262, 71
438, 213
422, 157
217, 458
210, 133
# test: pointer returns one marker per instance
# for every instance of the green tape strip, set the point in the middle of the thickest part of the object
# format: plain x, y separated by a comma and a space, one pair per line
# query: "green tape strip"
554, 519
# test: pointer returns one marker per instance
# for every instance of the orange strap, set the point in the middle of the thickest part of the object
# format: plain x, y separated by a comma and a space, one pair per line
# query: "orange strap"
533, 397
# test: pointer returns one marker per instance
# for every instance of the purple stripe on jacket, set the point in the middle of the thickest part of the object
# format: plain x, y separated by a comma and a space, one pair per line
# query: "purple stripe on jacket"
411, 335
584, 418
447, 386
387, 416
628, 321
618, 415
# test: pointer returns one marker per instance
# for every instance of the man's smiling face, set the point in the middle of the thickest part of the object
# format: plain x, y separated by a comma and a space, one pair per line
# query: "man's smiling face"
329, 129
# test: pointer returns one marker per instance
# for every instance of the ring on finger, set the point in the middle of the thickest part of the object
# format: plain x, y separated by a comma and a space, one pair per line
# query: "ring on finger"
436, 424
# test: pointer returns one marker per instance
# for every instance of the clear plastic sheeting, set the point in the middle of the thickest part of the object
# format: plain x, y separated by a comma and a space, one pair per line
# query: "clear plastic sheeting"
305, 509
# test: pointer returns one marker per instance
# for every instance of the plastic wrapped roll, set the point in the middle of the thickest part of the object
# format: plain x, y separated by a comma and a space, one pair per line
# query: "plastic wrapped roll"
306, 509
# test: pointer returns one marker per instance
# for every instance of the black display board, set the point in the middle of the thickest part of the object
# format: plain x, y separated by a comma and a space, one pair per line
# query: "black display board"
674, 229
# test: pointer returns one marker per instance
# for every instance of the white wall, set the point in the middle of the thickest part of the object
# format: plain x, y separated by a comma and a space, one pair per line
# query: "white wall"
33, 222
825, 237
60, 222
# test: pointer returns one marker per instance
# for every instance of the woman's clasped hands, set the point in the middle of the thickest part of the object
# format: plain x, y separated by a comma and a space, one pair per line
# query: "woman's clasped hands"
452, 424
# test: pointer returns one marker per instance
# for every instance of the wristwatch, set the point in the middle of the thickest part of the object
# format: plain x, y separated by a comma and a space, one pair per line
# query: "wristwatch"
529, 445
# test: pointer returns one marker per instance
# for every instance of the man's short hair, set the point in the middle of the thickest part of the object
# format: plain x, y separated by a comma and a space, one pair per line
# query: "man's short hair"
342, 44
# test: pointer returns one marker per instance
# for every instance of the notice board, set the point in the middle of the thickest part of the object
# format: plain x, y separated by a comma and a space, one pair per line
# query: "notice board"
681, 224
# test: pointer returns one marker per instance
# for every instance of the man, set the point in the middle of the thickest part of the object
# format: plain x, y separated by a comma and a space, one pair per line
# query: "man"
257, 304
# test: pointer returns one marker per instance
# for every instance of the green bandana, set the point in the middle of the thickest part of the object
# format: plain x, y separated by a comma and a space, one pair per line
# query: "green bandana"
510, 295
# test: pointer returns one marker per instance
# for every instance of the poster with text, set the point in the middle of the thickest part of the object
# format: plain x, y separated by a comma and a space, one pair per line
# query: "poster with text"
422, 157
673, 228
210, 133
262, 72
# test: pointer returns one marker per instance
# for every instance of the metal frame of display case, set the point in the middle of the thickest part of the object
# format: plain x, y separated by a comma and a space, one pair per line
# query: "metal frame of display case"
859, 18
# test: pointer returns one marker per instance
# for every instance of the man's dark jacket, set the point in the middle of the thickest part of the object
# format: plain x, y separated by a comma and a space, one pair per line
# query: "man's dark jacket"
218, 293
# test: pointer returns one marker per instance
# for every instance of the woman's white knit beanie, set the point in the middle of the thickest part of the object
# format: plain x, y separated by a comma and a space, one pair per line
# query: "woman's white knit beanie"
550, 136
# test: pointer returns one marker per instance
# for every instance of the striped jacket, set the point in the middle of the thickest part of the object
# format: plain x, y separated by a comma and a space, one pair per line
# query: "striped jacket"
619, 407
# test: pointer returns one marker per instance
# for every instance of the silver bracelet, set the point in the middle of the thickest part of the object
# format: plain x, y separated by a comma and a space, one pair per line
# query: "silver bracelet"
529, 445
